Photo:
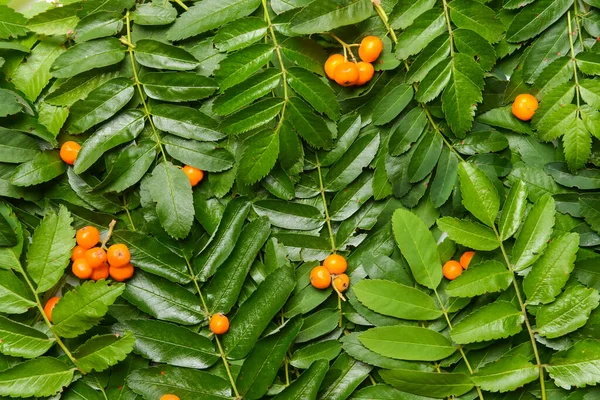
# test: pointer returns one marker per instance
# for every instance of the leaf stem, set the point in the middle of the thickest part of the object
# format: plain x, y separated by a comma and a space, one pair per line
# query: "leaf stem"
347, 48
101, 388
524, 311
111, 227
207, 313
327, 218
128, 213
570, 33
181, 4
578, 24
437, 129
136, 79
385, 20
447, 15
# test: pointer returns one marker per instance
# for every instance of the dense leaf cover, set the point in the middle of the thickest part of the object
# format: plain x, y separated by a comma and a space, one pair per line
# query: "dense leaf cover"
400, 175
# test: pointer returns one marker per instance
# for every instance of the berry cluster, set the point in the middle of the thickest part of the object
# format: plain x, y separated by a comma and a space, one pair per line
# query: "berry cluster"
332, 271
452, 269
347, 73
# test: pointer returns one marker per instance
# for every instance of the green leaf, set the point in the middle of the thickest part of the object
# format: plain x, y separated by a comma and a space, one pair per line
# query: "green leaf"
408, 131
50, 250
208, 15
584, 179
589, 210
408, 343
555, 111
577, 365
239, 66
102, 352
17, 147
424, 30
479, 196
226, 285
354, 348
488, 277
535, 18
497, 320
316, 92
124, 128
43, 168
262, 364
425, 156
223, 241
428, 383
172, 344
445, 178
462, 93
163, 299
404, 14
307, 385
83, 307
502, 117
246, 92
390, 102
259, 157
159, 55
513, 210
330, 14
177, 86
290, 215
588, 62
240, 34
17, 297
10, 256
157, 13
472, 44
434, 82
418, 247
482, 142
577, 144
349, 201
568, 313
305, 53
396, 300
351, 164
98, 25
101, 104
10, 103
170, 189
253, 116
86, 56
290, 144
40, 377
55, 20
429, 57
550, 272
150, 255
254, 314
20, 340
307, 299
187, 384
185, 122
469, 234
534, 234
478, 18
552, 44
344, 376
202, 155
318, 324
12, 24
506, 374
557, 73
77, 87
306, 356
309, 126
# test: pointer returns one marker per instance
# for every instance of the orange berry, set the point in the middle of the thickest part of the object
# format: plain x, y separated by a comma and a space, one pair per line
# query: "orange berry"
81, 269
118, 255
370, 48
524, 106
96, 257
335, 264
452, 269
78, 253
69, 151
100, 273
195, 175
346, 73
121, 274
365, 72
50, 306
87, 237
219, 324
320, 277
333, 61
341, 282
169, 397
465, 259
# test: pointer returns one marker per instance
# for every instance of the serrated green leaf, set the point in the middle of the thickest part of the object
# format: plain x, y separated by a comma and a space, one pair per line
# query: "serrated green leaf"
479, 196
157, 13
253, 116
316, 92
55, 20
20, 340
318, 324
40, 377
159, 55
577, 365
469, 234
44, 167
428, 58
506, 374
502, 117
202, 155
552, 44
428, 383
102, 352
585, 179
434, 82
487, 277
185, 122
351, 164
555, 110
305, 53
290, 215
474, 45
17, 298
86, 56
408, 131
16, 147
423, 30
354, 348
98, 25
349, 201
306, 356
307, 384
177, 86
242, 64
557, 73
259, 157
246, 92
478, 18
513, 210
330, 14
390, 102
535, 18
12, 24
77, 88
424, 156
309, 126
404, 14
240, 34
497, 320
588, 62
445, 178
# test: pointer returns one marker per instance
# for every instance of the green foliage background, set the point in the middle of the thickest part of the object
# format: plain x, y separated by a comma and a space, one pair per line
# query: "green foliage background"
400, 176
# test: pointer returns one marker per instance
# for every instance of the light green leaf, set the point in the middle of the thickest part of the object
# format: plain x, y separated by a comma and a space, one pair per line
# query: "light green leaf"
576, 366
86, 56
305, 53
17, 298
40, 377
487, 277
177, 86
588, 62
497, 320
577, 144
12, 24
20, 340
259, 156
77, 88
472, 44
102, 352
434, 82
16, 147
479, 196
44, 167
428, 383
476, 17
159, 12
506, 374
327, 15
404, 14
469, 234
55, 20
159, 55
98, 25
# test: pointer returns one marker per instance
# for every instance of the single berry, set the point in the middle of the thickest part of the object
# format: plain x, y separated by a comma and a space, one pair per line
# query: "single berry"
333, 61
365, 72
100, 273
69, 151
118, 255
50, 306
370, 48
78, 253
81, 269
87, 237
96, 257
341, 282
335, 264
169, 397
524, 106
452, 269
465, 259
320, 277
121, 274
219, 324
346, 73
195, 175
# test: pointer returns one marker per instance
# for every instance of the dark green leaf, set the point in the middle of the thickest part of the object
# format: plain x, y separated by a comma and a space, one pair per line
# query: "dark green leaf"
487, 277
185, 122
253, 116
513, 210
259, 156
479, 195
428, 383
307, 385
240, 34
506, 374
86, 56
470, 234
202, 155
41, 377
177, 86
316, 92
246, 92
309, 126
478, 18
351, 164
159, 55
102, 352
44, 167
535, 18
160, 12
497, 320
330, 14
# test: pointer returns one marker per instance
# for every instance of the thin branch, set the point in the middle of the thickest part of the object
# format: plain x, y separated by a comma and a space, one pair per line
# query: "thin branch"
570, 33
450, 32
385, 20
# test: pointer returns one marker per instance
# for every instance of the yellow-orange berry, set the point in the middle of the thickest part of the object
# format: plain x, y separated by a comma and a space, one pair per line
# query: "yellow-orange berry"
320, 277
346, 73
333, 61
87, 237
195, 175
524, 106
370, 48
100, 273
452, 269
118, 255
465, 259
335, 264
81, 268
121, 274
69, 151
341, 282
96, 257
219, 324
50, 306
